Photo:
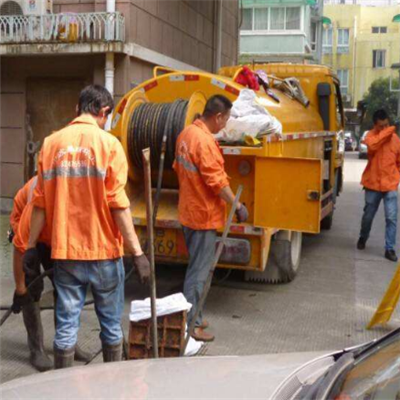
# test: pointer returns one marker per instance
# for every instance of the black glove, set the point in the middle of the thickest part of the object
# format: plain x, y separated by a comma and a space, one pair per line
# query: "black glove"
242, 214
10, 235
19, 301
31, 263
142, 267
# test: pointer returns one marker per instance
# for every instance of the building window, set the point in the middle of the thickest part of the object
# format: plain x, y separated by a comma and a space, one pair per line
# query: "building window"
327, 41
261, 19
379, 29
343, 75
277, 19
293, 15
271, 19
378, 58
247, 21
343, 41
313, 36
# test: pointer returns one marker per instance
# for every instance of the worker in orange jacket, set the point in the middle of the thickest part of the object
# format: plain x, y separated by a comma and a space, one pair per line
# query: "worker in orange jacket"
28, 301
381, 180
203, 193
81, 195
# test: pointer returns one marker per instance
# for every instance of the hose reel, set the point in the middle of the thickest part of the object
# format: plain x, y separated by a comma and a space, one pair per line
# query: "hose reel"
147, 126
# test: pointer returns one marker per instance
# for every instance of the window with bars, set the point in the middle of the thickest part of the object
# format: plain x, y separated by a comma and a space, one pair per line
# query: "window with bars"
343, 75
327, 41
271, 19
10, 8
343, 40
379, 58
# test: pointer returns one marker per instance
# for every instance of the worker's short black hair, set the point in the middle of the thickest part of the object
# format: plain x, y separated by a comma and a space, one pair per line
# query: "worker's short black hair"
93, 98
217, 104
379, 115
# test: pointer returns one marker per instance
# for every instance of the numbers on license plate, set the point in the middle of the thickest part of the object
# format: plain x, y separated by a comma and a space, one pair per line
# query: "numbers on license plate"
161, 247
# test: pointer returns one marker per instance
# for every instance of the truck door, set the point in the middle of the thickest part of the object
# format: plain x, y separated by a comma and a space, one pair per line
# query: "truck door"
288, 194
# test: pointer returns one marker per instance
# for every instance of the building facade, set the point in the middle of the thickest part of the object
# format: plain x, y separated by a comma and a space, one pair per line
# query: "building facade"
51, 49
281, 30
361, 43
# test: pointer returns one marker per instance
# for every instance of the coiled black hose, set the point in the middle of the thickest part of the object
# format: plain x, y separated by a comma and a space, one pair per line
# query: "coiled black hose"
146, 129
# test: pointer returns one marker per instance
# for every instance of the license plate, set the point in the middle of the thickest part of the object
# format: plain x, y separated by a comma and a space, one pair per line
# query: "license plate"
164, 242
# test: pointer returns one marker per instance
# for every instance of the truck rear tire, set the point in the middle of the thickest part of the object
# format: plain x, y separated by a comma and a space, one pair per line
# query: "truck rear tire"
283, 262
327, 222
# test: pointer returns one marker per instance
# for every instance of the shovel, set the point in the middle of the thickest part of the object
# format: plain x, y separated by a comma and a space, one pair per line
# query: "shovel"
150, 246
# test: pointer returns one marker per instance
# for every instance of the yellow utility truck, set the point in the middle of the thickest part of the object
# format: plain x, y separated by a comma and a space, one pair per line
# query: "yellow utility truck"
290, 181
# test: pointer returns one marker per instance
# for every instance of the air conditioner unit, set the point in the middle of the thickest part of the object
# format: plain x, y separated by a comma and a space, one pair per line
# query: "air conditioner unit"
26, 7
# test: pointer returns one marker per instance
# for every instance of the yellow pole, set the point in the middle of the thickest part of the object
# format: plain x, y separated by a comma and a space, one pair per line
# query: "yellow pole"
388, 303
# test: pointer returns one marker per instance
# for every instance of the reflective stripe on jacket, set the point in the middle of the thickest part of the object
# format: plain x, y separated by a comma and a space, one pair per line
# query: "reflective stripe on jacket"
81, 177
199, 165
382, 173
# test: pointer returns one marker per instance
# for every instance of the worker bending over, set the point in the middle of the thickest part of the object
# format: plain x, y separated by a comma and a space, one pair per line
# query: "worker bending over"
381, 181
80, 195
26, 301
203, 193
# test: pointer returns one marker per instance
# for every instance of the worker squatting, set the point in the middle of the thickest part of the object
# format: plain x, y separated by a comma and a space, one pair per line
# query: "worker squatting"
74, 218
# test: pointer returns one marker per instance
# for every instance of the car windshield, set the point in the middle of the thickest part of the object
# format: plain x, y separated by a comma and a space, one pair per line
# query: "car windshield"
375, 377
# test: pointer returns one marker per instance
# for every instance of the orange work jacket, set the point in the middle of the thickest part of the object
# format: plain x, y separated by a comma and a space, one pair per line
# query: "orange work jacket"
81, 176
20, 218
382, 173
200, 167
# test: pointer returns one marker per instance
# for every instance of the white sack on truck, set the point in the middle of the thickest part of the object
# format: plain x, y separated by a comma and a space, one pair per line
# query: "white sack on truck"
248, 118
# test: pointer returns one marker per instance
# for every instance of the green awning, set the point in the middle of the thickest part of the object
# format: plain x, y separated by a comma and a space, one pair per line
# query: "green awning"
396, 18
326, 20
311, 2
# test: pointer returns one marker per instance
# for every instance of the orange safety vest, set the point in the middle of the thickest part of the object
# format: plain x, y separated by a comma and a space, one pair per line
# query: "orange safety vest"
200, 167
382, 173
81, 176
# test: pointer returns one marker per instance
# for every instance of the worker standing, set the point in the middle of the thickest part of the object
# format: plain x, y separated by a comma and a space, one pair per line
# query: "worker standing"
203, 193
80, 195
381, 180
29, 302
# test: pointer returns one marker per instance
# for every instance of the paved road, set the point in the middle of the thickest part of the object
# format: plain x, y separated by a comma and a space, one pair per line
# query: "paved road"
325, 308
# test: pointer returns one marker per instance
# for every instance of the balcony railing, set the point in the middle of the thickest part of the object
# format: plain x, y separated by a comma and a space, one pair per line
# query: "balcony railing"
67, 28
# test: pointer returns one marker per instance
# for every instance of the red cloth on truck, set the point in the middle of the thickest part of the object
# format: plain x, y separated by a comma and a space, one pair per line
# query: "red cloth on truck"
248, 78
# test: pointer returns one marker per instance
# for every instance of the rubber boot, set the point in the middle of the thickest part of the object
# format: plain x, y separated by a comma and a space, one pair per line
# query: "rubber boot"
112, 352
63, 358
80, 355
33, 324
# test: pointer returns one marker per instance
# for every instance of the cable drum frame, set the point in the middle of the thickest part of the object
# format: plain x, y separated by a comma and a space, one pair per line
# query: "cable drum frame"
147, 126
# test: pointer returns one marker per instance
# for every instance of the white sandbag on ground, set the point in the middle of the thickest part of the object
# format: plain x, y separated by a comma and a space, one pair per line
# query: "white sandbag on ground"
141, 309
248, 118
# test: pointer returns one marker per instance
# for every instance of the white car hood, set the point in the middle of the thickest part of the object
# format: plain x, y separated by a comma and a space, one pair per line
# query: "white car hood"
238, 377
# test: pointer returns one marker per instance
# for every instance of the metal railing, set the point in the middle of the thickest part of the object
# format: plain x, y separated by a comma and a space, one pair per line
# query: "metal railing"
66, 27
